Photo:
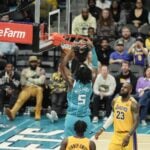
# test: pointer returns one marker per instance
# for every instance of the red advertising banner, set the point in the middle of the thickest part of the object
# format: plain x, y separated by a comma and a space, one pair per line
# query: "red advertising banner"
16, 32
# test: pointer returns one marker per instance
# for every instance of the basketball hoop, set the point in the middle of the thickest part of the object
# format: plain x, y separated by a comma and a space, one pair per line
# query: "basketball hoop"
67, 39
68, 42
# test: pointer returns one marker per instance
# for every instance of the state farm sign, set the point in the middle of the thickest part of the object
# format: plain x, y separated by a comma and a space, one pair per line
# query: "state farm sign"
16, 32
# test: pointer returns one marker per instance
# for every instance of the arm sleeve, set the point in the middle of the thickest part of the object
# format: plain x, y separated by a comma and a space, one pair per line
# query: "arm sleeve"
109, 121
94, 58
38, 81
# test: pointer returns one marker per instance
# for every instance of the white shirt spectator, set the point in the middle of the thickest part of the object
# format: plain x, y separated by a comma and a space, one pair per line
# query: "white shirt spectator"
103, 5
80, 26
108, 85
7, 48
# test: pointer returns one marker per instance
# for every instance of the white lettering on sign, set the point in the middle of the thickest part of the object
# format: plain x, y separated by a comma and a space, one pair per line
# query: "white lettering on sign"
35, 131
7, 32
7, 145
25, 136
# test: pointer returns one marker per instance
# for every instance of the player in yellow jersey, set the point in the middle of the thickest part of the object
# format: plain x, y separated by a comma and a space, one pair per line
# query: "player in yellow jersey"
78, 142
125, 116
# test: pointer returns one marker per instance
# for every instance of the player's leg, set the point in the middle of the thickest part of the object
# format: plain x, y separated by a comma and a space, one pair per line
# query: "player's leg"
113, 146
89, 126
38, 93
132, 143
69, 125
23, 97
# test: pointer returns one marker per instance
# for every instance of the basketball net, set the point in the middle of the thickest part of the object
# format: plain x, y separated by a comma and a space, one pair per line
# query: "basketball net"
67, 39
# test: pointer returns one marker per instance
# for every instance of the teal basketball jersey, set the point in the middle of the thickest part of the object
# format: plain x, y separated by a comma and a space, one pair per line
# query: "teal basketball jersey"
79, 99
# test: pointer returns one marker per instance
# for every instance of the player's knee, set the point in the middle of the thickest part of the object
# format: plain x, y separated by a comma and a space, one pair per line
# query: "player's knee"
39, 89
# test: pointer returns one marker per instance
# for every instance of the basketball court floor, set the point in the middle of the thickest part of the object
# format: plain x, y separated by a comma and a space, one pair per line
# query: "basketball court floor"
24, 133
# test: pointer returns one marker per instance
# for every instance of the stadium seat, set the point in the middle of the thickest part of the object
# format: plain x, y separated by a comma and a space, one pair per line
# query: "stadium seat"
144, 29
137, 70
114, 69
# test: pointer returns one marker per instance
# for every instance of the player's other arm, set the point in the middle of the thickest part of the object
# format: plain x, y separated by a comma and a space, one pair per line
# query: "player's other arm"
63, 144
66, 73
92, 145
108, 123
135, 113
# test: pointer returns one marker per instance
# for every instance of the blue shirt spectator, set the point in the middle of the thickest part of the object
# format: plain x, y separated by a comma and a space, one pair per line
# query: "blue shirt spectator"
120, 54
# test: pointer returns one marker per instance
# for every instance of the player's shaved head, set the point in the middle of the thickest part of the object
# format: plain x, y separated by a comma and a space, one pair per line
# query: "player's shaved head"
126, 90
129, 85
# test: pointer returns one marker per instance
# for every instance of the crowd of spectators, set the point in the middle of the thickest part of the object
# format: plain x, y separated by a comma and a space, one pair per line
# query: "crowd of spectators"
120, 45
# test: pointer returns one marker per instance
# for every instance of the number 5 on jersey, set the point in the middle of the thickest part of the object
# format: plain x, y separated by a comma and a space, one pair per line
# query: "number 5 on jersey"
81, 99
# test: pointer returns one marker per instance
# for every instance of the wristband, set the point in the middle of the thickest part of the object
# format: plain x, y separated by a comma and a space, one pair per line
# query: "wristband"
103, 128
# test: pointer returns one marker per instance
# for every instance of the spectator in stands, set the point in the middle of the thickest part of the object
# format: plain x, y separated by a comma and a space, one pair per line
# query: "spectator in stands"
93, 9
126, 38
7, 49
103, 51
82, 22
104, 88
126, 8
32, 80
147, 41
147, 44
148, 58
3, 6
139, 52
9, 86
138, 15
58, 90
125, 76
92, 35
103, 4
143, 92
105, 25
5, 18
120, 54
115, 10
45, 7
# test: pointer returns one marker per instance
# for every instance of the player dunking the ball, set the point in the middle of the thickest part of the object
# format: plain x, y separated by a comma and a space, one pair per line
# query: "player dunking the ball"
125, 116
79, 92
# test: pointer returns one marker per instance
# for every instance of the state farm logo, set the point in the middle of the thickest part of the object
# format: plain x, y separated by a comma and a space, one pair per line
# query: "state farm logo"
7, 32
16, 32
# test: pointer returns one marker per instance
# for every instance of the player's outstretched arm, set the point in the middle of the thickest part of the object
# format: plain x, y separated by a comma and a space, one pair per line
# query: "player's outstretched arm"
105, 126
108, 123
135, 113
66, 73
63, 144
92, 145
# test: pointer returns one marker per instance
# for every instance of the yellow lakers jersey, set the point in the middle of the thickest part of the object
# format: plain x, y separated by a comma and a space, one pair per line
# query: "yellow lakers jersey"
78, 143
123, 119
